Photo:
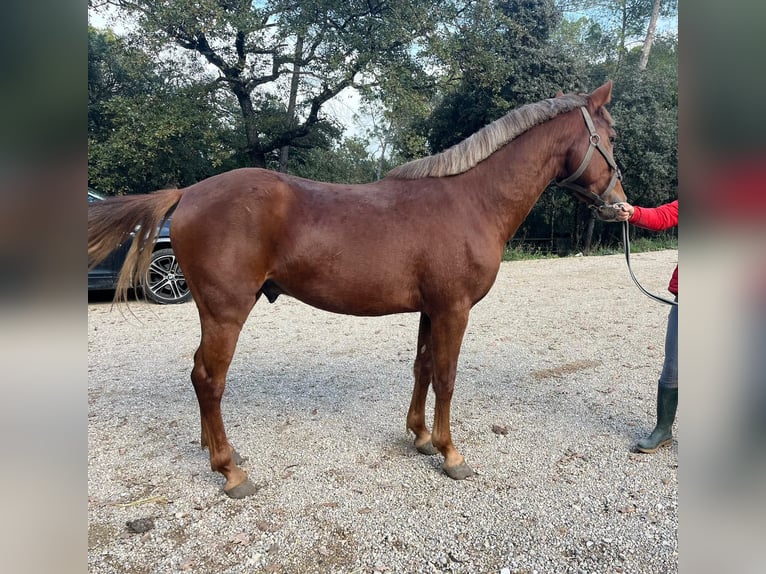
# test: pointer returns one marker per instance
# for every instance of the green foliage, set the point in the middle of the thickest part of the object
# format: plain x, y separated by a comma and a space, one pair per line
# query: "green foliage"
525, 252
604, 30
646, 108
501, 58
349, 162
658, 242
257, 49
508, 54
113, 70
143, 132
520, 251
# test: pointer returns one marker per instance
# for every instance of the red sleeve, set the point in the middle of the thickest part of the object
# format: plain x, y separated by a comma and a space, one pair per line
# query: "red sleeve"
656, 218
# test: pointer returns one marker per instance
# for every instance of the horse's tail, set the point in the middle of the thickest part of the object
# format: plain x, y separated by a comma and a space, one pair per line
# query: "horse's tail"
114, 220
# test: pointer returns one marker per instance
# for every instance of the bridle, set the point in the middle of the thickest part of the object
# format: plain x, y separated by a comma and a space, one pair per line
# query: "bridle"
596, 202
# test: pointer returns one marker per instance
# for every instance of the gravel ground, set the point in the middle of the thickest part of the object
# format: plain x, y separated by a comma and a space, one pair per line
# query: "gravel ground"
556, 381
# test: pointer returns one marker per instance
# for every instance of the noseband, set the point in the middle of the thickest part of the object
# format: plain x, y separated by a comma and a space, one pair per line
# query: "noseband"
595, 202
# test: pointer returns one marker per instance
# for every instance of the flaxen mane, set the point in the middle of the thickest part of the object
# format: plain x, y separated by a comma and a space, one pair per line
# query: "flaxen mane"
478, 147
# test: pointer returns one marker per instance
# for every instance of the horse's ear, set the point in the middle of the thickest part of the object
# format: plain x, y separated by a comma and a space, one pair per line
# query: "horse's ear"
559, 94
601, 96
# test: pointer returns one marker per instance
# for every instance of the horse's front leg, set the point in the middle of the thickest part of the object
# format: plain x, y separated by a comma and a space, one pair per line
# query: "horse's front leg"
211, 363
423, 371
447, 331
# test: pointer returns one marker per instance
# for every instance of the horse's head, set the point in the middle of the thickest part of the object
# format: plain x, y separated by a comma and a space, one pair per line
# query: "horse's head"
590, 171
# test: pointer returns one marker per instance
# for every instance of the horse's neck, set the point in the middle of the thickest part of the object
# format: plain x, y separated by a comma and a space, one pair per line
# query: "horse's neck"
512, 179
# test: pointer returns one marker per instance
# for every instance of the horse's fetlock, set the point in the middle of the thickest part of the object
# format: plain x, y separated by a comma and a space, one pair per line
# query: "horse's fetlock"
222, 460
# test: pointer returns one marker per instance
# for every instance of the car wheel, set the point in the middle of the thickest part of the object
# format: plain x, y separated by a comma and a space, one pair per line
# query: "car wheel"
165, 282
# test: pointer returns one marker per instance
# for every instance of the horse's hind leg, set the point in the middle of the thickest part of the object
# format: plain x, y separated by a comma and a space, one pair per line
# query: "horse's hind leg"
211, 363
203, 436
423, 370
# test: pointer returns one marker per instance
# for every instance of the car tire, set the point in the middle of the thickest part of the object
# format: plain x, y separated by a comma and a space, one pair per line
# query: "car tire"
164, 282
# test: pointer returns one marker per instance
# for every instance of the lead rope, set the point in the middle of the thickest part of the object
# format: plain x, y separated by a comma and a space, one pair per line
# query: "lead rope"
626, 242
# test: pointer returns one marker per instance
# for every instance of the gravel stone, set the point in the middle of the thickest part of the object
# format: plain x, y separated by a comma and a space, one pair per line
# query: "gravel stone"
563, 354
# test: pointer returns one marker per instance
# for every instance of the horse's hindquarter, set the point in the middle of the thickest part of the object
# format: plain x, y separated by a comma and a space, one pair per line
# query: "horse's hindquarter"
226, 230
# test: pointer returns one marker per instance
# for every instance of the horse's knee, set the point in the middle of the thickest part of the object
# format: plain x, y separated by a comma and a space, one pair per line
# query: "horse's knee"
205, 386
199, 374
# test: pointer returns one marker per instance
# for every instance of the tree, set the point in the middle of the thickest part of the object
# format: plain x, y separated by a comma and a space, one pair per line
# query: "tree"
114, 70
501, 57
146, 130
349, 162
621, 23
650, 33
251, 48
606, 35
295, 79
646, 106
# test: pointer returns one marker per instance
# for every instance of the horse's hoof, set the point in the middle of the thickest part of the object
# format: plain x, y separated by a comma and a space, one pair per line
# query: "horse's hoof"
458, 472
427, 448
242, 490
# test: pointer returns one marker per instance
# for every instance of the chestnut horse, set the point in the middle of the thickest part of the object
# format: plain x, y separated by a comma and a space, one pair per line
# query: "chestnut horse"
427, 238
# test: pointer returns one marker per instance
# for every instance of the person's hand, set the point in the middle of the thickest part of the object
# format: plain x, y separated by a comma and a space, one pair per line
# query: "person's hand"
624, 211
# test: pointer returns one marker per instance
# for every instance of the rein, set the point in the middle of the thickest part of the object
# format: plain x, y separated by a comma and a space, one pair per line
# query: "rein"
626, 242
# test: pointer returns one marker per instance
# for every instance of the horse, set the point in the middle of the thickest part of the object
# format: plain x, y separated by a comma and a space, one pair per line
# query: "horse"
428, 238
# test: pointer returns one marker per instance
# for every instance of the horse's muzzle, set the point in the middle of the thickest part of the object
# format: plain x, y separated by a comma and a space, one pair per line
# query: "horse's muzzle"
607, 211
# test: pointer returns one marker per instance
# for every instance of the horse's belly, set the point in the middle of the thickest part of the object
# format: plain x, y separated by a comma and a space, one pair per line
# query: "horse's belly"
357, 298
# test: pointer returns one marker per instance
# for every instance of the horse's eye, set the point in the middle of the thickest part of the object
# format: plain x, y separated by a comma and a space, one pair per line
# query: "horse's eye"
612, 139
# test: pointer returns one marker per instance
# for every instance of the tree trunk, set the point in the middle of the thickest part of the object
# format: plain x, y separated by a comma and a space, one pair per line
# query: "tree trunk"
623, 34
589, 234
379, 168
650, 35
284, 154
255, 154
553, 219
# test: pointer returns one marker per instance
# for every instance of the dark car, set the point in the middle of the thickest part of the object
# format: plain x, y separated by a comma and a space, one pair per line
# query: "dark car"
164, 283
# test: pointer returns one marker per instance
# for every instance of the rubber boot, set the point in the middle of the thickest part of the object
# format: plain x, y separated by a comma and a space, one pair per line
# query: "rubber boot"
667, 403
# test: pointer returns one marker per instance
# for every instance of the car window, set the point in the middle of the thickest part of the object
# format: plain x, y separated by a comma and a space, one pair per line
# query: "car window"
93, 196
